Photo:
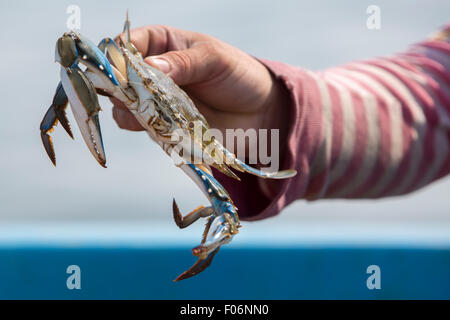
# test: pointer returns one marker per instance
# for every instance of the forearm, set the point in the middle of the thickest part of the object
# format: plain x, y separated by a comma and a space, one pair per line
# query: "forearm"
364, 130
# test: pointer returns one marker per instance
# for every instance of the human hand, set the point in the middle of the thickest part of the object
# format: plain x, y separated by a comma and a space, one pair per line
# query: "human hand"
229, 87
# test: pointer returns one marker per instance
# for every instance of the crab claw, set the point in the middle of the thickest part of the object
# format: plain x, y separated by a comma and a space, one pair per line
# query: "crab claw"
55, 113
73, 48
198, 267
85, 107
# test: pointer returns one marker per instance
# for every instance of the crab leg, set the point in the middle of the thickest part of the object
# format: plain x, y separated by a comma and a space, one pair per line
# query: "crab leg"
191, 217
107, 45
129, 45
237, 164
55, 113
198, 267
222, 224
212, 189
94, 59
284, 174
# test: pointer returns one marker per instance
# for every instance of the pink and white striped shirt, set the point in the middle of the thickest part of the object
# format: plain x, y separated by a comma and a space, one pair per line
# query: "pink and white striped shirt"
368, 129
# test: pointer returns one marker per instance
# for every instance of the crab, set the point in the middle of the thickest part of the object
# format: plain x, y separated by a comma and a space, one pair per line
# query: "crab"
163, 109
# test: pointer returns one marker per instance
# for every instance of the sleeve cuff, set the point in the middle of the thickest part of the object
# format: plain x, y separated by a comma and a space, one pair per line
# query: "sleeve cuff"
252, 202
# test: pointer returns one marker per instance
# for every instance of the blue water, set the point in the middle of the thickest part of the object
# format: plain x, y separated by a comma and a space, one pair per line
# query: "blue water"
245, 273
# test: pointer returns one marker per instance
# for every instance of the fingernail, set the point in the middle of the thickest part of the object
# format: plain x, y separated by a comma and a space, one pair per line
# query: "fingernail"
161, 64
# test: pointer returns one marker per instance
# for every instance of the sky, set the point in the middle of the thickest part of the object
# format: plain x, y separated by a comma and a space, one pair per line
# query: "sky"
140, 181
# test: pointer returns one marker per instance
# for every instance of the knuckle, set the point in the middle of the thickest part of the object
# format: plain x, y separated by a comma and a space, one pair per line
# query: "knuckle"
181, 61
212, 48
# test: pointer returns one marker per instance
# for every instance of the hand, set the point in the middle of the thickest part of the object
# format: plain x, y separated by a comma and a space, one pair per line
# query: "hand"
229, 87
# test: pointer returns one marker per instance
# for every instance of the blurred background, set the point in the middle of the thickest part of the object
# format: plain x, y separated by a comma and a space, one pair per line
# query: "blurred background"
116, 223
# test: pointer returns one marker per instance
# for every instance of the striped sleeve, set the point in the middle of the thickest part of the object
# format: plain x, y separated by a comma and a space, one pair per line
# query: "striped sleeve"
367, 129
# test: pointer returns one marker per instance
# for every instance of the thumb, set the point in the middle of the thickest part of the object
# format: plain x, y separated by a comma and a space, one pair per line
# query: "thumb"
193, 65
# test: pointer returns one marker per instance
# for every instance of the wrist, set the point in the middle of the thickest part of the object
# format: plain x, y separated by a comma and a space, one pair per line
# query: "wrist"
276, 117
275, 114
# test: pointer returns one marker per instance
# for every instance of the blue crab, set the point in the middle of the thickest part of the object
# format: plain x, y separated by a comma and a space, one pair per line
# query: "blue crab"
163, 109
